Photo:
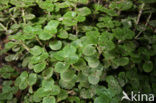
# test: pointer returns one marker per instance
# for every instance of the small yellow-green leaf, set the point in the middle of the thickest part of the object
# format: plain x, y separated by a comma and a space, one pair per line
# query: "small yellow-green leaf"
55, 45
148, 66
39, 67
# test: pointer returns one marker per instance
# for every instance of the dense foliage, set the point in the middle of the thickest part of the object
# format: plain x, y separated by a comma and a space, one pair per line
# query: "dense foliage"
76, 51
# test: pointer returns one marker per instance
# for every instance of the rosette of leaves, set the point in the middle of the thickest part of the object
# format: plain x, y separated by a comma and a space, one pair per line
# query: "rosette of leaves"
46, 5
25, 80
38, 60
95, 75
76, 51
71, 18
109, 94
123, 5
46, 92
105, 41
67, 54
123, 33
8, 91
7, 72
105, 22
49, 30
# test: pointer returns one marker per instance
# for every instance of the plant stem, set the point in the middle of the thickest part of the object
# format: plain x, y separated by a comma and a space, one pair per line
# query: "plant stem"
24, 46
140, 13
147, 21
23, 14
3, 27
14, 20
38, 40
76, 29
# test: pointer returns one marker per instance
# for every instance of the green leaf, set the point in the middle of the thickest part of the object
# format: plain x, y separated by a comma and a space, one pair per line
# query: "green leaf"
97, 7
84, 11
46, 5
92, 37
63, 34
69, 18
101, 99
89, 50
122, 61
4, 1
105, 22
9, 45
62, 96
66, 84
32, 79
28, 29
7, 72
48, 84
103, 91
88, 93
55, 90
40, 58
148, 66
41, 92
49, 99
83, 1
51, 27
123, 5
123, 33
55, 45
29, 16
39, 67
110, 12
61, 67
24, 76
68, 75
7, 91
80, 65
36, 50
74, 99
47, 73
44, 35
80, 18
113, 85
68, 54
105, 41
126, 5
93, 79
93, 62
23, 85
152, 23
22, 80
72, 37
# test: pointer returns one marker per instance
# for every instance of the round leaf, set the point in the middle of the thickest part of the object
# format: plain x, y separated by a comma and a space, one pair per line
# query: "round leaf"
93, 79
61, 67
39, 67
47, 73
32, 79
55, 45
36, 50
49, 99
67, 75
89, 50
148, 66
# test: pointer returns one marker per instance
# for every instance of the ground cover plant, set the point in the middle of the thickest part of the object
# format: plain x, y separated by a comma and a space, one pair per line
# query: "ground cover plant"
76, 51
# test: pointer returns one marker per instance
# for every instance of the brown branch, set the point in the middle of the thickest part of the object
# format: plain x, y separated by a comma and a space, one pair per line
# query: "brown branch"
147, 21
140, 13
3, 27
38, 40
24, 46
